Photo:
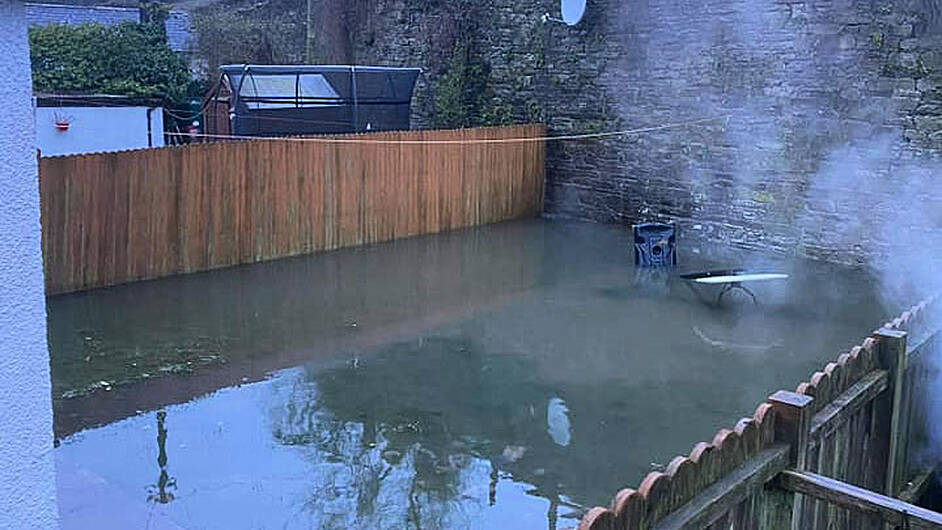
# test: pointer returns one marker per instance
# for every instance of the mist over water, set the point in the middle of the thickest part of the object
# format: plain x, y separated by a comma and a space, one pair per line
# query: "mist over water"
813, 154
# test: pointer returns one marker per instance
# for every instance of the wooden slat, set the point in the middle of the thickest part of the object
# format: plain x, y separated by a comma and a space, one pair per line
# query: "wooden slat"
839, 423
892, 357
838, 411
892, 511
723, 496
118, 217
921, 370
917, 485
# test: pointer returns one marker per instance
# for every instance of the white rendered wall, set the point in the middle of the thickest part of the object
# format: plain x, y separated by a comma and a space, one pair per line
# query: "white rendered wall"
97, 129
27, 472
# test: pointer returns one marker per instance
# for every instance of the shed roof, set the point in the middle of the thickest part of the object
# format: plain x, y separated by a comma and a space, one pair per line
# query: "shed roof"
273, 86
309, 68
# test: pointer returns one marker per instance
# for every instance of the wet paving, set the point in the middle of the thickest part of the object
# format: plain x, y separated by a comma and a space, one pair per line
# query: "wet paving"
505, 376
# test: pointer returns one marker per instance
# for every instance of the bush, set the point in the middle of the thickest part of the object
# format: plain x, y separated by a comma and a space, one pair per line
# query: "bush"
126, 59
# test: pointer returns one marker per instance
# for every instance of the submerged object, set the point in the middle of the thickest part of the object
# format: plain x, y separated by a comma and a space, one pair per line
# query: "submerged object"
731, 279
743, 277
736, 347
654, 245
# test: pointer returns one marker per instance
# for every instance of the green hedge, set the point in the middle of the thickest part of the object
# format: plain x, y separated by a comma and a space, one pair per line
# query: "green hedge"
126, 59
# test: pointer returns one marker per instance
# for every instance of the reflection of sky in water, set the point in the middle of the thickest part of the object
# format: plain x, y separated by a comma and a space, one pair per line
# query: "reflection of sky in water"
503, 377
268, 456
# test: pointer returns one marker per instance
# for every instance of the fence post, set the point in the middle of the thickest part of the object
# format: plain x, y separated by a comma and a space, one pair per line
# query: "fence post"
793, 427
891, 356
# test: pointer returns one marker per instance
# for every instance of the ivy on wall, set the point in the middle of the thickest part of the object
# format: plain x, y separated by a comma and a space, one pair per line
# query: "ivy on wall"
461, 94
127, 59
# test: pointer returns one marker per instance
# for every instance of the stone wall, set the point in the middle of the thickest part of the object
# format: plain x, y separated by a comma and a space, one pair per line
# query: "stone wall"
246, 32
823, 109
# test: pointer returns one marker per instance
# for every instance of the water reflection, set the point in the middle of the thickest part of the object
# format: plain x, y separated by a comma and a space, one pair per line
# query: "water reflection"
416, 429
213, 330
557, 421
501, 379
652, 281
162, 492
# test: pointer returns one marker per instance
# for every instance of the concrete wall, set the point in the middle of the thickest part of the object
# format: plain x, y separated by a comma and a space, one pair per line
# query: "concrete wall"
826, 108
44, 14
180, 36
98, 129
27, 475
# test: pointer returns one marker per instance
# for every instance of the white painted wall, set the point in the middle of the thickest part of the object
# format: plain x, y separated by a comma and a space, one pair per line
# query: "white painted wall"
27, 472
97, 129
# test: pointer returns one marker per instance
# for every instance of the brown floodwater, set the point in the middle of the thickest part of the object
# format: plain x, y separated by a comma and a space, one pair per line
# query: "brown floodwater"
505, 376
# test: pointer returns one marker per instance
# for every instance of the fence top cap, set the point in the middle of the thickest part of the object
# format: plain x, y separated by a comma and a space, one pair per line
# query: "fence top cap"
791, 398
888, 332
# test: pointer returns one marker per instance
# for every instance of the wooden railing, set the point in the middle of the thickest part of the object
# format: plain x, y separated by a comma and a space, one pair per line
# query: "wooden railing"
117, 217
836, 453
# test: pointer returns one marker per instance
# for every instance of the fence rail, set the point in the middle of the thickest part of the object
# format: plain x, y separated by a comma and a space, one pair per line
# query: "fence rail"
112, 218
836, 453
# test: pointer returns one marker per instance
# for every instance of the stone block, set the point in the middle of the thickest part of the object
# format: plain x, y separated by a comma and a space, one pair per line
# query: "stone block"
931, 61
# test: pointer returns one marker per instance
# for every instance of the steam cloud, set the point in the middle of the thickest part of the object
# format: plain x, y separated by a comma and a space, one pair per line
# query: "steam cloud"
816, 158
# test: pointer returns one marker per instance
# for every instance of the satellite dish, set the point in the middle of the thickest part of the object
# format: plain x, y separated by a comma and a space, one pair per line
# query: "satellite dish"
573, 11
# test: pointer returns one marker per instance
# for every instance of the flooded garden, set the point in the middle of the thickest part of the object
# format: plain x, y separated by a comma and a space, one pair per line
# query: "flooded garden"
510, 375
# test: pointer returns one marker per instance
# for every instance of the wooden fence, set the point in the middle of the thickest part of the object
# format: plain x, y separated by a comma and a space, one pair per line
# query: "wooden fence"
112, 218
922, 374
836, 453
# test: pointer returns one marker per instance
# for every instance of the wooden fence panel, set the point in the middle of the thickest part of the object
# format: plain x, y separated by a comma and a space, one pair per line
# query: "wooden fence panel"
660, 500
851, 405
922, 372
847, 396
117, 217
